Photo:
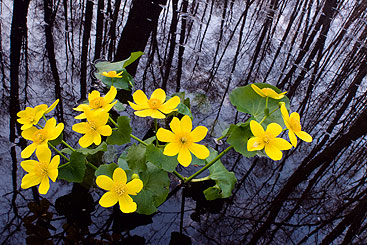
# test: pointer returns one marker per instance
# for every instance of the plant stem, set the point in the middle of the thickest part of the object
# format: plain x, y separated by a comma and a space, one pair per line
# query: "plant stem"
179, 175
208, 164
91, 165
67, 145
201, 179
139, 140
266, 116
113, 122
58, 152
65, 164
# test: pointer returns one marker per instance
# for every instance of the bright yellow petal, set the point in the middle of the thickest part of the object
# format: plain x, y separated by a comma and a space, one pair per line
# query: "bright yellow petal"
255, 144
28, 133
186, 124
57, 131
272, 94
97, 138
304, 136
50, 124
52, 106
200, 151
175, 125
82, 107
104, 182
28, 151
171, 149
138, 107
170, 105
256, 129
284, 111
86, 140
127, 205
184, 156
165, 135
26, 125
105, 130
140, 98
119, 176
159, 94
273, 152
44, 186
281, 144
43, 154
110, 96
257, 90
292, 137
158, 115
53, 173
274, 128
198, 133
150, 113
134, 187
295, 116
28, 165
30, 180
108, 199
54, 164
81, 128
94, 95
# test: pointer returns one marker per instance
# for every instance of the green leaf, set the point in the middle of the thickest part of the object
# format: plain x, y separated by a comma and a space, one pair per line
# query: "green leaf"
58, 140
184, 110
155, 156
66, 151
110, 155
224, 179
75, 170
136, 158
246, 100
155, 189
133, 56
122, 134
122, 161
201, 101
119, 106
239, 135
88, 151
106, 169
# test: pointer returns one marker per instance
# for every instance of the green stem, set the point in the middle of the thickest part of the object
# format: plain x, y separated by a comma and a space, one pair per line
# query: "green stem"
179, 175
65, 164
208, 164
67, 145
139, 140
91, 165
58, 152
201, 179
266, 116
113, 122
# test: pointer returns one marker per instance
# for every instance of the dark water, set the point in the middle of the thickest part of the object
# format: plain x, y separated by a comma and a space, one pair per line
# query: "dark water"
315, 50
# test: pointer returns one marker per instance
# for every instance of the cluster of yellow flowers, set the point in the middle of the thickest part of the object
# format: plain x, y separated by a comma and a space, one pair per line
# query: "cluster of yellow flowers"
267, 139
39, 171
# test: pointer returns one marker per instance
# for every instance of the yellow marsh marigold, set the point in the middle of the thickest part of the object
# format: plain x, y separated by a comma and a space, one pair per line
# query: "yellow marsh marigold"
267, 139
93, 128
293, 124
267, 92
155, 106
31, 116
98, 103
112, 74
40, 137
39, 171
182, 140
119, 190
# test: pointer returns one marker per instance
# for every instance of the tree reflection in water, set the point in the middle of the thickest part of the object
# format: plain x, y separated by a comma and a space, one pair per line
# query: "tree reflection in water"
315, 50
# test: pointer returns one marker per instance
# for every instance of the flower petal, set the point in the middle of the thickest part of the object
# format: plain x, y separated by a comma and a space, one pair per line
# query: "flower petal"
28, 133
281, 144
134, 186
108, 199
175, 125
295, 116
186, 124
56, 131
28, 151
274, 128
184, 156
111, 94
140, 98
97, 138
28, 165
150, 113
94, 95
273, 152
43, 154
158, 115
198, 133
255, 144
258, 90
292, 137
105, 130
170, 105
256, 128
30, 180
284, 111
53, 173
304, 136
50, 124
44, 186
119, 176
127, 205
104, 182
165, 135
54, 164
200, 151
81, 128
52, 106
171, 149
86, 140
138, 107
159, 94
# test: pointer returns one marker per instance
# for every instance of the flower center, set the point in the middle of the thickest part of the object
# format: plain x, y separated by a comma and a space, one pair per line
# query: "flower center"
41, 169
267, 138
185, 139
96, 103
40, 136
120, 189
295, 124
154, 103
92, 125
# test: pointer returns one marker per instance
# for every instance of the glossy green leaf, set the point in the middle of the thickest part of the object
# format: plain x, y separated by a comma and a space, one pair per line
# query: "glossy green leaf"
106, 169
155, 156
122, 134
133, 56
66, 151
136, 158
184, 110
88, 151
238, 137
75, 170
119, 106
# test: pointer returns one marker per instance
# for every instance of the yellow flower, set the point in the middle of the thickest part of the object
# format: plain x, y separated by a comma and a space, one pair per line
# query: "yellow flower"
39, 172
267, 139
155, 106
31, 116
112, 74
93, 128
292, 122
98, 103
267, 92
40, 137
119, 190
182, 140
